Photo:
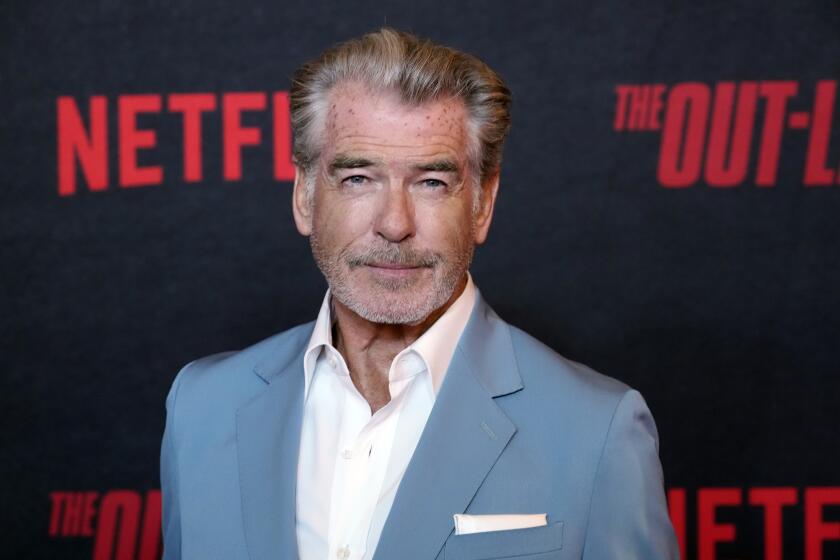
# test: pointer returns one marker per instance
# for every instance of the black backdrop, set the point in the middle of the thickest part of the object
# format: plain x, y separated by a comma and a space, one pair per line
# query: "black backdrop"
719, 303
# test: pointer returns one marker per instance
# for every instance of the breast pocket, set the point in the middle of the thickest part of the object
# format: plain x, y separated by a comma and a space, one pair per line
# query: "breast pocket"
543, 543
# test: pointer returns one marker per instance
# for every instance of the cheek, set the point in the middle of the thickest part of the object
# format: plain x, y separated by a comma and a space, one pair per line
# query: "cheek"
339, 223
446, 228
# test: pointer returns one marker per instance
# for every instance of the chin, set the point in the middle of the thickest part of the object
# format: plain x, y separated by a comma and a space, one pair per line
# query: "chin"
394, 301
393, 309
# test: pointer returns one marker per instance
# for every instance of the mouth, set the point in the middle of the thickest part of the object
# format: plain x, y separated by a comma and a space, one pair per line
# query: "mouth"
394, 266
395, 271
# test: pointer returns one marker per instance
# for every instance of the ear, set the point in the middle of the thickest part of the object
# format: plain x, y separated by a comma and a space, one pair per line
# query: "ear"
489, 190
301, 203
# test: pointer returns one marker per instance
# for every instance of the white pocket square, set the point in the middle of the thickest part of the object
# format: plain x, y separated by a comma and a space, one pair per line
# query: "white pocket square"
468, 524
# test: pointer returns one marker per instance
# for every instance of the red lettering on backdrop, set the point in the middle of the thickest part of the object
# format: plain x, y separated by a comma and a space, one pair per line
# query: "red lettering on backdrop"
817, 529
56, 501
638, 108
88, 513
74, 142
284, 169
235, 136
727, 161
730, 132
772, 500
656, 104
677, 511
709, 531
73, 504
683, 135
133, 139
777, 95
150, 538
192, 105
123, 507
816, 173
622, 100
72, 514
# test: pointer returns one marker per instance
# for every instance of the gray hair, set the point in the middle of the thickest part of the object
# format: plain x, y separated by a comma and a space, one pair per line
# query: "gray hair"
419, 71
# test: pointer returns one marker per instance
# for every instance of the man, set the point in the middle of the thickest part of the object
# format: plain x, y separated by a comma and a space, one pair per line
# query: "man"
408, 421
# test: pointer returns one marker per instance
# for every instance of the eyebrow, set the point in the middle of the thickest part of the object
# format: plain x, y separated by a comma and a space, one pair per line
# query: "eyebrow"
343, 161
442, 165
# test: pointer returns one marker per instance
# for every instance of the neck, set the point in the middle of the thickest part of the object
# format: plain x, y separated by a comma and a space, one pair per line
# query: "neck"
369, 348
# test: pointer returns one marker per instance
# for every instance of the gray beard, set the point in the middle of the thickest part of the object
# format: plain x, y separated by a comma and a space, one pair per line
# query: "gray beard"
392, 302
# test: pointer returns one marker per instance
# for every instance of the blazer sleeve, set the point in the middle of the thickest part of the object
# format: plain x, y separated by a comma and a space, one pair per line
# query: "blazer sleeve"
171, 514
628, 516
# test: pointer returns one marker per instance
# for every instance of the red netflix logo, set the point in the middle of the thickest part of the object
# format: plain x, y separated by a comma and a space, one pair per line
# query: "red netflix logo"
709, 132
821, 534
84, 145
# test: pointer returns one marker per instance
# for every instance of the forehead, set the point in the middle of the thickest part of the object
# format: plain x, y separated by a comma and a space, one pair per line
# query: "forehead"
379, 124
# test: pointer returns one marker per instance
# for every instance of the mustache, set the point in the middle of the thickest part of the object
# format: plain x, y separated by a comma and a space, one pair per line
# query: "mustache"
394, 255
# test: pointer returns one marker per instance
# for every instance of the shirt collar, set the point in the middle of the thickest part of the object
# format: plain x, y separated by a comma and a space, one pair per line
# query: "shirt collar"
321, 339
435, 347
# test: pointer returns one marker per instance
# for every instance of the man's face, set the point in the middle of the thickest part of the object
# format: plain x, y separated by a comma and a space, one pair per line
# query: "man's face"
391, 219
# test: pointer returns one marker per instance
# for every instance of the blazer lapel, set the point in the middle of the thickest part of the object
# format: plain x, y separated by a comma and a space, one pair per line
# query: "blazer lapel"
464, 436
268, 438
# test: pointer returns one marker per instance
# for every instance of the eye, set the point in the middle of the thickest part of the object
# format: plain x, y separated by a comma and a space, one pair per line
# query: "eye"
433, 183
355, 180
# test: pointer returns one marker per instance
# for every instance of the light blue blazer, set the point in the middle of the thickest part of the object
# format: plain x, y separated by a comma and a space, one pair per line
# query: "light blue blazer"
516, 428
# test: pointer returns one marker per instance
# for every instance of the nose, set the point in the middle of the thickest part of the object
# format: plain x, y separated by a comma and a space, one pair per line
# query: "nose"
395, 220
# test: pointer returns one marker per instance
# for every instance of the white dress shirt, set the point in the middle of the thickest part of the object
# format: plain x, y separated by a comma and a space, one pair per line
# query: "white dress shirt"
351, 462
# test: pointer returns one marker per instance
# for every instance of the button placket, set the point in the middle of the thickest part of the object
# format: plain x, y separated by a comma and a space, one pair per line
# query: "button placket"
360, 476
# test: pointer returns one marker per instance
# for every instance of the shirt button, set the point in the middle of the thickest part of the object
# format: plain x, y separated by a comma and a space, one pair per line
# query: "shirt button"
343, 553
347, 454
332, 361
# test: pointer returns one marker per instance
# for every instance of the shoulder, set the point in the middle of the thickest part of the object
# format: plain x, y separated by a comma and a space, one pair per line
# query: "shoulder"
565, 392
229, 379
577, 407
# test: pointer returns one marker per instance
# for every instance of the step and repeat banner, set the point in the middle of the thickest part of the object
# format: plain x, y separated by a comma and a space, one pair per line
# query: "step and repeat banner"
669, 214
